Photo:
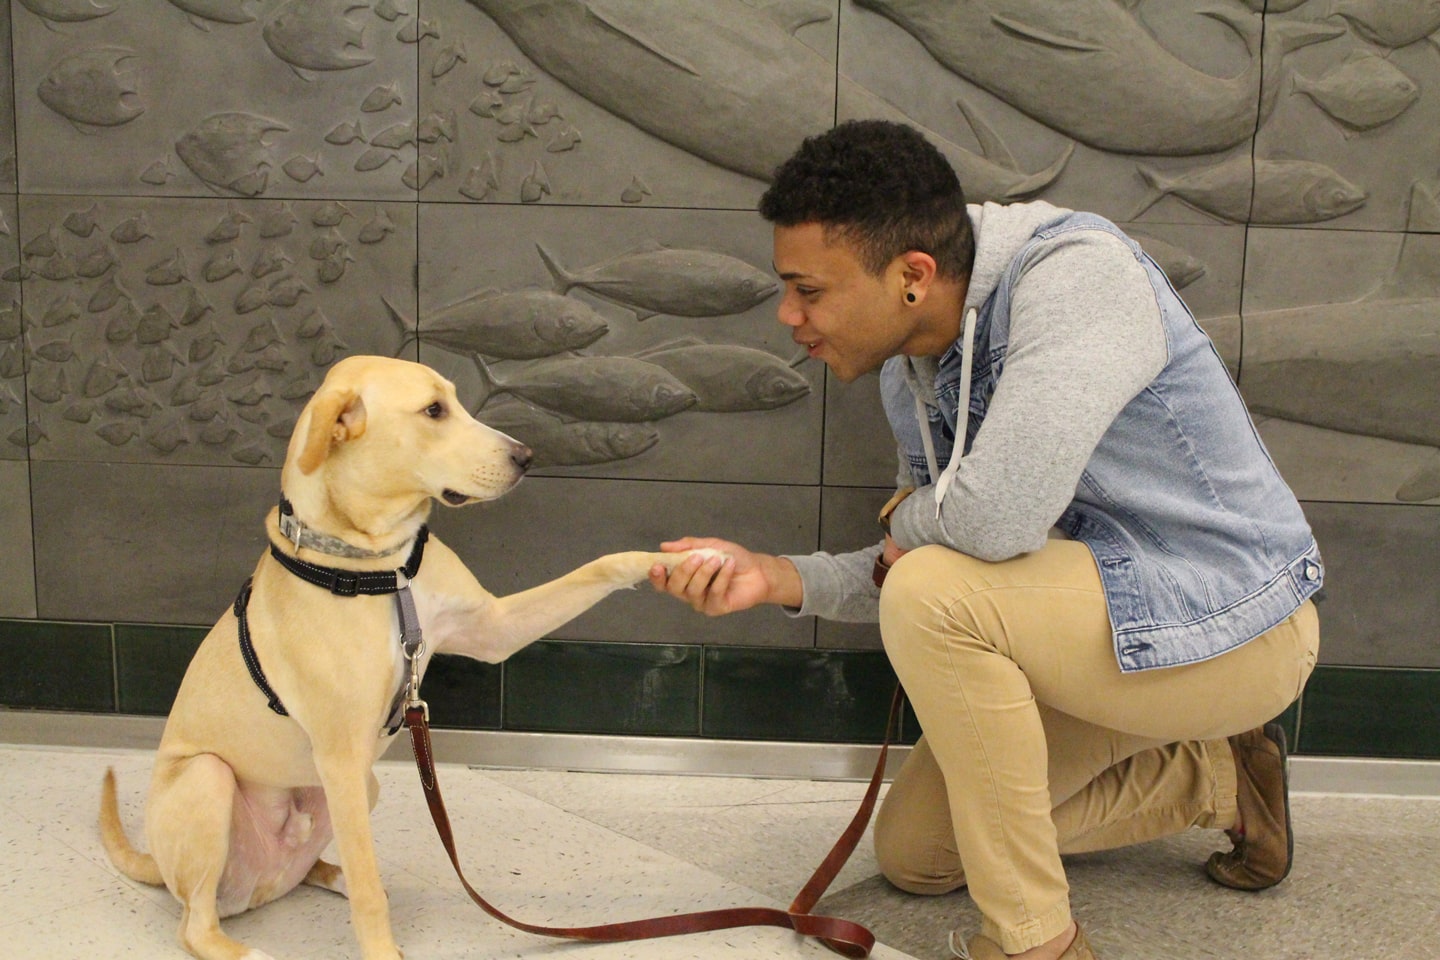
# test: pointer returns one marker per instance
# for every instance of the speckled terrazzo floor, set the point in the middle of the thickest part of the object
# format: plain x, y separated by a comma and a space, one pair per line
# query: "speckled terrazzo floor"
576, 848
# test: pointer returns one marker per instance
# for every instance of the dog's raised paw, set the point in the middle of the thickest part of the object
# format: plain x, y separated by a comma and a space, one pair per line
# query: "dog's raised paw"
708, 553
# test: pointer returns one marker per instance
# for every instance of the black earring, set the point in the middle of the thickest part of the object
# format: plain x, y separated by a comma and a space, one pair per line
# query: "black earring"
909, 296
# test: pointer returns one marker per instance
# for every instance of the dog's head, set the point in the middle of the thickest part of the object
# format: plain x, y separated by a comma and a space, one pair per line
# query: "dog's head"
388, 431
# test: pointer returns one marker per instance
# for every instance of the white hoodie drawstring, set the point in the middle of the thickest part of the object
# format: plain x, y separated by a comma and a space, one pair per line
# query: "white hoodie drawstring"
962, 425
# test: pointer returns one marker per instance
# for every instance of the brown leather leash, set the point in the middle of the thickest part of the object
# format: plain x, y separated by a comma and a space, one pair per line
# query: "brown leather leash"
845, 937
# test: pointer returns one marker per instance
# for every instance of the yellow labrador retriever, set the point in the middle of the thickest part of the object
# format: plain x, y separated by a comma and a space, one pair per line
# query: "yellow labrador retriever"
268, 750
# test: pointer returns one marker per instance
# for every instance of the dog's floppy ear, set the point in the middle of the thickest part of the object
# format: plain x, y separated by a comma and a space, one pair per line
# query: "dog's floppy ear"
336, 415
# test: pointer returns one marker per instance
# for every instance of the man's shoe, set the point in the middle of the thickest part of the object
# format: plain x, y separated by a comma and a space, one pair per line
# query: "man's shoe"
1265, 848
982, 947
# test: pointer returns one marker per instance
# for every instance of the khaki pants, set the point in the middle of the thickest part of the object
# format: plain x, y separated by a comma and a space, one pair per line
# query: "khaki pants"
1036, 744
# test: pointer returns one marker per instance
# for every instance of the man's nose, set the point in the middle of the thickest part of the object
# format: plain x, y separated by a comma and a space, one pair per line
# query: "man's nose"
789, 313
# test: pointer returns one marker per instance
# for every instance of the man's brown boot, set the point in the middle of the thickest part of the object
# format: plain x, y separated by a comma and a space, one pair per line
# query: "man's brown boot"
1265, 846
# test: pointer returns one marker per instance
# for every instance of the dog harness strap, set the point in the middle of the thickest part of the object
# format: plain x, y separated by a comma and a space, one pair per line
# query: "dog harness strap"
247, 652
348, 583
845, 937
412, 645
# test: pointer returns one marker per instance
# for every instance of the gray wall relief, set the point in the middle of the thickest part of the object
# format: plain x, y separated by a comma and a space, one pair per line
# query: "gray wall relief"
205, 202
193, 331
682, 362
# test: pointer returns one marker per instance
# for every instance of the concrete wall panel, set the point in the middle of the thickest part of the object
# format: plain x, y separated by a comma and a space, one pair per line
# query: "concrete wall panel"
144, 543
17, 587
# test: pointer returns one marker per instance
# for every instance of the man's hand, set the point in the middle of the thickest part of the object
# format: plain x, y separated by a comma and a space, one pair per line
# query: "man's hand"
719, 585
891, 551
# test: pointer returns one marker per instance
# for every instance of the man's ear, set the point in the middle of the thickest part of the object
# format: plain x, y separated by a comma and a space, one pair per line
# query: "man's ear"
336, 415
918, 270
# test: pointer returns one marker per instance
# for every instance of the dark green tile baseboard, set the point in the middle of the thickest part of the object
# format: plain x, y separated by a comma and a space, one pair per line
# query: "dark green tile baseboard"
720, 692
1352, 711
57, 666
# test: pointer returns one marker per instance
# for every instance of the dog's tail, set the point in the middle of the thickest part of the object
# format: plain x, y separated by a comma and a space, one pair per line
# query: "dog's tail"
140, 867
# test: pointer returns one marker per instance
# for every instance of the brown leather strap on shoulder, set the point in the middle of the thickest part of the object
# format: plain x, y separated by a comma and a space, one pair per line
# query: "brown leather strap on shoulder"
845, 937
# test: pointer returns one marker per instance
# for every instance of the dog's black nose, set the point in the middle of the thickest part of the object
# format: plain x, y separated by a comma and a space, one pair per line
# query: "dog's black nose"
521, 456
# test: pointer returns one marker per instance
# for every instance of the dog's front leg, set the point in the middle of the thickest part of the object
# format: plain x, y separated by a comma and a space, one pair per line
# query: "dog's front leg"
345, 773
502, 625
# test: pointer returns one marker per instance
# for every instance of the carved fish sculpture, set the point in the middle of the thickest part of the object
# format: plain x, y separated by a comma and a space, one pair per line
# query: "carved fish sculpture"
655, 279
66, 11
1391, 23
227, 150
1091, 70
759, 89
219, 11
1361, 93
506, 325
570, 443
1276, 192
1367, 367
620, 389
86, 88
316, 34
1181, 267
729, 378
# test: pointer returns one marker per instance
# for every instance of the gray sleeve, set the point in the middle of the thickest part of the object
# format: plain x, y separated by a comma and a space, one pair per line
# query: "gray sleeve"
838, 586
1085, 337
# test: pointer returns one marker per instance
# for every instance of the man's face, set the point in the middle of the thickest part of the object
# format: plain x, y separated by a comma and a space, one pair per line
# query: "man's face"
846, 316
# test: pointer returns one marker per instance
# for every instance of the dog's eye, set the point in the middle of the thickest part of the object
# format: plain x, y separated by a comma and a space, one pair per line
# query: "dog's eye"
435, 411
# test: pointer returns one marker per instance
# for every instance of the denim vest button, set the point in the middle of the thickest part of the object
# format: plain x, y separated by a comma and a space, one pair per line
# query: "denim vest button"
1312, 572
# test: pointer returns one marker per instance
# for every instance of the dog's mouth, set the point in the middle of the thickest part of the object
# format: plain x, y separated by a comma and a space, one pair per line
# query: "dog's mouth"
455, 498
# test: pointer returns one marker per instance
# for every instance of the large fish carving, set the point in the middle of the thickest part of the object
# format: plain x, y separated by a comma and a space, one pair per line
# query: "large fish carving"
510, 325
1363, 92
1091, 70
87, 89
1269, 192
66, 11
216, 11
570, 443
653, 279
619, 389
1391, 23
316, 35
729, 378
228, 151
1367, 367
759, 90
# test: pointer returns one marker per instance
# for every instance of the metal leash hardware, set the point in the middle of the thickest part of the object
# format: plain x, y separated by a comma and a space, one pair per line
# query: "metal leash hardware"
845, 937
412, 645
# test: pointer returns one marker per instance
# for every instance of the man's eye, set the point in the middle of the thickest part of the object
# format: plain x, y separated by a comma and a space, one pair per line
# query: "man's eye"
435, 411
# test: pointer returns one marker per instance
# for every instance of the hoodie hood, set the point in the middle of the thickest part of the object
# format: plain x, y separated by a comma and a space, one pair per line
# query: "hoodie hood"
1001, 229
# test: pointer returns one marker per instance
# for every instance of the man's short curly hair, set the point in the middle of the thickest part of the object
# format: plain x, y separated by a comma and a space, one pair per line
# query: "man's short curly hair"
882, 187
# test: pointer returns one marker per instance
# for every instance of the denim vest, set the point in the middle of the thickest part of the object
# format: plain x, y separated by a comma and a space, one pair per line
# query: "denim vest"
1200, 544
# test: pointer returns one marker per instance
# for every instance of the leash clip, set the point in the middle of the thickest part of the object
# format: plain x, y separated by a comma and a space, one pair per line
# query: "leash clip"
412, 642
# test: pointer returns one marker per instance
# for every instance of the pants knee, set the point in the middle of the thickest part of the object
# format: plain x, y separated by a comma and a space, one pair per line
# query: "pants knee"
911, 868
914, 860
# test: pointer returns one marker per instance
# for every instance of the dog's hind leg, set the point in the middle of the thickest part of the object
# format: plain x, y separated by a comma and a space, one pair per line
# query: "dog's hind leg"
188, 821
